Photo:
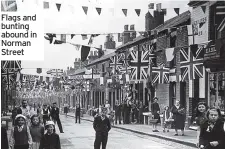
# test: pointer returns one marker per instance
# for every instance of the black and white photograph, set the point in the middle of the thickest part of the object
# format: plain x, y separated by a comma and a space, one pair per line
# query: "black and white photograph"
118, 74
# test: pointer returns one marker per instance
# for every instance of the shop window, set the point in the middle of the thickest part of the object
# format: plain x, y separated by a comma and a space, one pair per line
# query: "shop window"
217, 90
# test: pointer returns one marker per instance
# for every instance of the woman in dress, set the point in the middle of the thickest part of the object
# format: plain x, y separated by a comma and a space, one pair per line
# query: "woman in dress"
200, 117
212, 134
155, 111
36, 131
178, 114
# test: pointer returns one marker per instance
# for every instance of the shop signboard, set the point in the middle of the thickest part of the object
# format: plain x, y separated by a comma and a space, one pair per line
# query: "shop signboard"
200, 27
211, 53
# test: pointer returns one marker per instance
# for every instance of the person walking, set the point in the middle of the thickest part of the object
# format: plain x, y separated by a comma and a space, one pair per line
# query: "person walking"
166, 115
178, 114
200, 117
45, 113
20, 134
77, 113
117, 112
212, 134
25, 110
102, 127
66, 109
155, 111
36, 131
50, 140
140, 113
55, 116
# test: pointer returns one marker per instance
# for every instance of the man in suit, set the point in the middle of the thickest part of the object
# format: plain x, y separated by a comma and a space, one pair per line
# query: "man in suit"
102, 127
77, 112
118, 112
55, 116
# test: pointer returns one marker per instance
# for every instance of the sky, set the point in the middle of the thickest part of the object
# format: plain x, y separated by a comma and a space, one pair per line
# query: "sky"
72, 20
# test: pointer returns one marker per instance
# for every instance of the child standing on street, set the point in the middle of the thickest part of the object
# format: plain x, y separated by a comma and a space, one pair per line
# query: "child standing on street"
37, 131
20, 134
50, 140
166, 115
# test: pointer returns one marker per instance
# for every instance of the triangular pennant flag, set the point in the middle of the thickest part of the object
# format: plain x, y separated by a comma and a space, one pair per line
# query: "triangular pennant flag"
138, 11
164, 11
201, 24
39, 70
99, 10
177, 10
58, 6
72, 35
84, 52
203, 8
85, 9
84, 36
46, 5
124, 11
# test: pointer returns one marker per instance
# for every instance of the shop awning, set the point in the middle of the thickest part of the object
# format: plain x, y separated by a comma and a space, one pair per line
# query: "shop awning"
215, 65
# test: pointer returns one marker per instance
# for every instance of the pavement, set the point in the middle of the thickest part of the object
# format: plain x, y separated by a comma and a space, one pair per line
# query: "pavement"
188, 139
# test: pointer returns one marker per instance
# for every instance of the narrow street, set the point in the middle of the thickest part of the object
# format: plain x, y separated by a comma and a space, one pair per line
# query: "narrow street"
81, 136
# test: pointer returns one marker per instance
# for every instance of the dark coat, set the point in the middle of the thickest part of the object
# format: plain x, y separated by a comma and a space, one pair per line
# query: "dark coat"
179, 118
101, 126
77, 111
4, 145
50, 142
216, 134
118, 110
155, 108
55, 113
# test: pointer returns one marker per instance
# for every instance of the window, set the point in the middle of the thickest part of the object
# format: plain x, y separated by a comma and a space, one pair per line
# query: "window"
217, 90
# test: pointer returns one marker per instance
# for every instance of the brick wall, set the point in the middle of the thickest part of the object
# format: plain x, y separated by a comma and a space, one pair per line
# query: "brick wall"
162, 92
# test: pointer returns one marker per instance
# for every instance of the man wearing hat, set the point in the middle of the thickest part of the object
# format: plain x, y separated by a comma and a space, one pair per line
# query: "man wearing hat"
45, 113
55, 116
102, 126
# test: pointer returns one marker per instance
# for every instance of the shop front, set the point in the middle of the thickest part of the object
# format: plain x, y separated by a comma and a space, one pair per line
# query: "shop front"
214, 61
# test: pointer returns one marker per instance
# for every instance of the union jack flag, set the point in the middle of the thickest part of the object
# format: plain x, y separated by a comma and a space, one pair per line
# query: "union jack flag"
139, 62
8, 78
29, 81
116, 63
55, 72
16, 65
191, 63
160, 75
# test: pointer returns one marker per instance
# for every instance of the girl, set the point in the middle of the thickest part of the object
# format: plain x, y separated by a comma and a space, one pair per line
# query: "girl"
155, 111
20, 134
211, 131
200, 116
37, 131
166, 115
50, 140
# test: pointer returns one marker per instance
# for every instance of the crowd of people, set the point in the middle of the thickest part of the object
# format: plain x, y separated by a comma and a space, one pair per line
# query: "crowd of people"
34, 127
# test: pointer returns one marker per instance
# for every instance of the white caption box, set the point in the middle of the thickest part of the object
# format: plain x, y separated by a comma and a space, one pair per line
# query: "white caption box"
30, 46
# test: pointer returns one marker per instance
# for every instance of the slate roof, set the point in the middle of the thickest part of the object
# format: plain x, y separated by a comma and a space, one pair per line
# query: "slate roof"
173, 22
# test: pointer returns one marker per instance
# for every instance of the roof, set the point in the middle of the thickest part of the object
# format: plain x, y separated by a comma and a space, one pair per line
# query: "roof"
174, 21
139, 38
78, 72
101, 59
167, 24
193, 3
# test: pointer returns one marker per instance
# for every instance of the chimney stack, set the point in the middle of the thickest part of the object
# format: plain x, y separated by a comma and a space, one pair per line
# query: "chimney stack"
132, 28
